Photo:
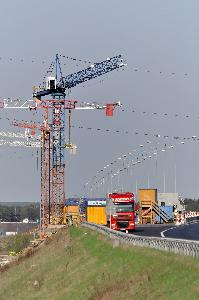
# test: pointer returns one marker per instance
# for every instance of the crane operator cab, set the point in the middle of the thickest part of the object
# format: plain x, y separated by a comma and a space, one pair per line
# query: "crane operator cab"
51, 83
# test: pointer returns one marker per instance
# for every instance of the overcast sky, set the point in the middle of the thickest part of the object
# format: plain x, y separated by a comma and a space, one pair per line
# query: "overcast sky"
159, 41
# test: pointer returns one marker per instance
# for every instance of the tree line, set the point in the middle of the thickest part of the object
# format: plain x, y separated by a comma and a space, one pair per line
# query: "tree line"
190, 204
15, 213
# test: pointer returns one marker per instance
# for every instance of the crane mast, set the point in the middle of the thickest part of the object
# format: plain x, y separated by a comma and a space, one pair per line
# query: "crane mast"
58, 161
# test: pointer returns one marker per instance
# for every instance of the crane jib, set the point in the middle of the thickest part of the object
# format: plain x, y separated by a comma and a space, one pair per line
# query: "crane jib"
59, 86
93, 71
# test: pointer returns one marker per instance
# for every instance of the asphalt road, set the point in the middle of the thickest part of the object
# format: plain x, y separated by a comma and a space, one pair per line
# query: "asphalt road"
188, 231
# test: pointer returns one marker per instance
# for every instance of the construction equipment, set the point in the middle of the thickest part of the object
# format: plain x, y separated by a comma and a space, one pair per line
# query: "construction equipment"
56, 86
53, 143
31, 141
149, 207
52, 175
71, 215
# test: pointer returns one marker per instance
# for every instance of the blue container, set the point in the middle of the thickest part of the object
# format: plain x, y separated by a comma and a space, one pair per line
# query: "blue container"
168, 210
94, 199
72, 201
82, 202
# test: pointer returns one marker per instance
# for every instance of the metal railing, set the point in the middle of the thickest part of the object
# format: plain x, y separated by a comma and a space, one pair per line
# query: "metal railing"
185, 247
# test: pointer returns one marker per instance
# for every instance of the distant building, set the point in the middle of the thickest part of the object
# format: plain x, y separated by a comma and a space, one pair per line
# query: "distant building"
8, 228
167, 199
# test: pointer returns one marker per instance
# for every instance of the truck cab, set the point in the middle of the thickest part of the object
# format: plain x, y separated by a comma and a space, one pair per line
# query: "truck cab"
120, 211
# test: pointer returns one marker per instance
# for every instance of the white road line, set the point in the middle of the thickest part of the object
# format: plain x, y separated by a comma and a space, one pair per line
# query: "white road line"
162, 232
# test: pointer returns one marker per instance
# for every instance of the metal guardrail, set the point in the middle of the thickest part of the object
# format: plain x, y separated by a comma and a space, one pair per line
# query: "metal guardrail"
185, 247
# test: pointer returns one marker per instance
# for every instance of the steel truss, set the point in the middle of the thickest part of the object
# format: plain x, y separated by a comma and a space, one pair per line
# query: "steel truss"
58, 164
45, 181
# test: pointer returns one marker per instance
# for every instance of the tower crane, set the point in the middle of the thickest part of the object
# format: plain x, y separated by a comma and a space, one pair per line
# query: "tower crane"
30, 141
59, 84
53, 141
50, 210
53, 129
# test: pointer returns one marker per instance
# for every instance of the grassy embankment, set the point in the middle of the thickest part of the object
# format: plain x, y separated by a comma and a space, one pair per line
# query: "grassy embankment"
15, 243
81, 264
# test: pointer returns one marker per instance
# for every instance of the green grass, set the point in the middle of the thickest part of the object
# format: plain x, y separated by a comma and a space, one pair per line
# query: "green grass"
15, 243
81, 264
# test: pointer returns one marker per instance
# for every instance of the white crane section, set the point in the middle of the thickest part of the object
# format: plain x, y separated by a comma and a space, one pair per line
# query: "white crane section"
25, 135
28, 144
17, 104
35, 104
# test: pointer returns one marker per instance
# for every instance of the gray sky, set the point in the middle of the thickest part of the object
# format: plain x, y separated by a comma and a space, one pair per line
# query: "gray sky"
159, 36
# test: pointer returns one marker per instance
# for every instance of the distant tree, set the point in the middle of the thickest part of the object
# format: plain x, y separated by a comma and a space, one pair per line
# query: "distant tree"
13, 213
190, 204
16, 242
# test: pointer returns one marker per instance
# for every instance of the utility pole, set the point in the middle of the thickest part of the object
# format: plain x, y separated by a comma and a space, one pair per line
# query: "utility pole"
164, 182
16, 219
148, 182
175, 178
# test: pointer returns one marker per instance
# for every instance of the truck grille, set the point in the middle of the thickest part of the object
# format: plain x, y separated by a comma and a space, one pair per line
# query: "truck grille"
123, 224
124, 217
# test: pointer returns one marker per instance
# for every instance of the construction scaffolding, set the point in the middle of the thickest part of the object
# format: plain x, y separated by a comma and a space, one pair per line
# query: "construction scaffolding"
148, 207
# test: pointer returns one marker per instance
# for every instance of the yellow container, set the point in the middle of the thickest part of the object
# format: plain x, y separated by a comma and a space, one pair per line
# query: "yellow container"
71, 209
147, 196
96, 214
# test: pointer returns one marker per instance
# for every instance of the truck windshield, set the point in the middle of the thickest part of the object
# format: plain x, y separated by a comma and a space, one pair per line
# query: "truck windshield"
124, 208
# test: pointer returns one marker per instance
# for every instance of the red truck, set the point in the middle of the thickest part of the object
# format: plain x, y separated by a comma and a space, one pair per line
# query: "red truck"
120, 211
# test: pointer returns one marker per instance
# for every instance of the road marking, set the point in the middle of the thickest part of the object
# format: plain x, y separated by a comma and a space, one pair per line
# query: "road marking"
162, 232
